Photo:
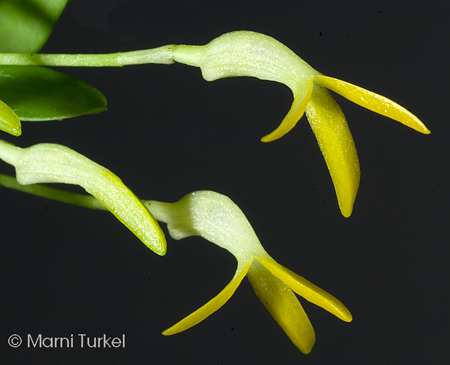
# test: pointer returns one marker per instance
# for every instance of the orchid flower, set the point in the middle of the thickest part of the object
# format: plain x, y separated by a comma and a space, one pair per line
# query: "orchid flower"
216, 218
245, 53
53, 163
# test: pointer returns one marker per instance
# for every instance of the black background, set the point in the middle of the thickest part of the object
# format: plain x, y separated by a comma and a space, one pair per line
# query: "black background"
167, 132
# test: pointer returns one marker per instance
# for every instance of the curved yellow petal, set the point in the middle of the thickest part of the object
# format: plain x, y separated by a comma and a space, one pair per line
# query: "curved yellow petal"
307, 290
293, 116
245, 53
284, 307
336, 142
369, 100
210, 307
9, 121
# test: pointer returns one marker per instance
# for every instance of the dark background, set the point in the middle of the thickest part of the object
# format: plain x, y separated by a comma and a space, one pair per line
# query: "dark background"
167, 132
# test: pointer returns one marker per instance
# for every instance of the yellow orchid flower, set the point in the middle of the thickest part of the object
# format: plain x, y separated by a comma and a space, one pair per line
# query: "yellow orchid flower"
53, 163
216, 218
245, 53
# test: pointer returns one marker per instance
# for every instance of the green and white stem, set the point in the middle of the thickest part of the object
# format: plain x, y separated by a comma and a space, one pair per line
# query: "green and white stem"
161, 55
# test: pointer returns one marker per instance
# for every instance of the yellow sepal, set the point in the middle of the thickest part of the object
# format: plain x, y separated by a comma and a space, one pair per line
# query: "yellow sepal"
210, 307
375, 102
307, 290
293, 116
336, 143
284, 307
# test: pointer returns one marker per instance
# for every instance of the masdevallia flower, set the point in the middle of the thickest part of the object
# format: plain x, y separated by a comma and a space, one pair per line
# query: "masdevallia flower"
216, 218
53, 163
245, 53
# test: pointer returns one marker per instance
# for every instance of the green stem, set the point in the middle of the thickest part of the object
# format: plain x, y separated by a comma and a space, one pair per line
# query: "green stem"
161, 55
86, 201
81, 200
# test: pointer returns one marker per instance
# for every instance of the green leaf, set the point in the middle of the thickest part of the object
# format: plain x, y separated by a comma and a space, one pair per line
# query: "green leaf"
25, 25
9, 122
39, 94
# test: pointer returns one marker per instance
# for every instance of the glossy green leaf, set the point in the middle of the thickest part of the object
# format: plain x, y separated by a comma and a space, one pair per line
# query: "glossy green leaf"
25, 25
38, 94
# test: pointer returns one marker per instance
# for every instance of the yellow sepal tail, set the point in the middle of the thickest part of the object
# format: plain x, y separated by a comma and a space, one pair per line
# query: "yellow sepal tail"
210, 307
336, 143
308, 290
292, 117
372, 101
283, 305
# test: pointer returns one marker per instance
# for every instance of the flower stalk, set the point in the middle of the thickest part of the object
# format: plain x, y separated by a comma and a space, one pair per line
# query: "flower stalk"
161, 55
